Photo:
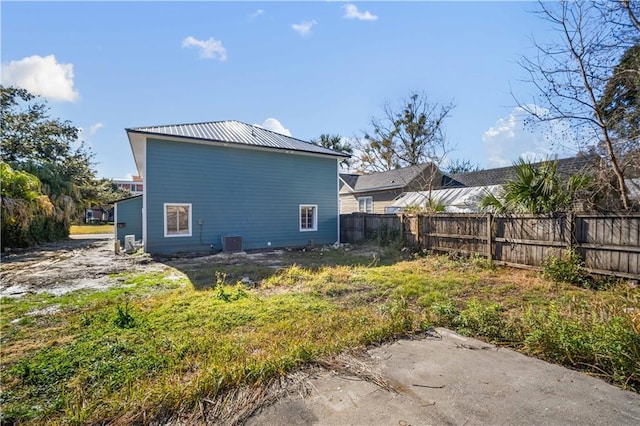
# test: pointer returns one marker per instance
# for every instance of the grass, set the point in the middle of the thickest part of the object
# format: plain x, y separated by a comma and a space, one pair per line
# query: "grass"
158, 344
90, 229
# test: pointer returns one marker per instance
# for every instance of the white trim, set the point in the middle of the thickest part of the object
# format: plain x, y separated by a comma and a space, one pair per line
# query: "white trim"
315, 217
365, 198
339, 201
164, 214
144, 194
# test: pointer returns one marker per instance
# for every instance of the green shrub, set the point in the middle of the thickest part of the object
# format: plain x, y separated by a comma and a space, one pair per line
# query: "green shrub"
444, 313
480, 320
124, 317
385, 236
607, 345
27, 215
568, 268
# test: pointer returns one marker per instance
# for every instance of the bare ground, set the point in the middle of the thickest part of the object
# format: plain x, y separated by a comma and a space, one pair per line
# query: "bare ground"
87, 263
65, 266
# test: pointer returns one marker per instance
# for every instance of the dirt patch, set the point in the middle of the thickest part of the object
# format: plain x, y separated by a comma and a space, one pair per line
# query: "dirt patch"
78, 264
65, 266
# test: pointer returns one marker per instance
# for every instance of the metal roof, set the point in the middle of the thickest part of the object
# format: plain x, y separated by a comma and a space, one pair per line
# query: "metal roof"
565, 167
236, 132
391, 179
454, 200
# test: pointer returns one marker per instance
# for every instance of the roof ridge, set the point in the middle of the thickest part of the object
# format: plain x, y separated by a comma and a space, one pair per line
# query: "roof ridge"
423, 165
255, 126
183, 124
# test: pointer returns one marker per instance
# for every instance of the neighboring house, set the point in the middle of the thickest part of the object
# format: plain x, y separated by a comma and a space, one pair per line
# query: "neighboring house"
98, 214
206, 181
462, 192
373, 193
134, 185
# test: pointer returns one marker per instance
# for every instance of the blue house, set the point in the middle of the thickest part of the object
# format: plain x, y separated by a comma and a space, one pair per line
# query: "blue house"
127, 215
229, 182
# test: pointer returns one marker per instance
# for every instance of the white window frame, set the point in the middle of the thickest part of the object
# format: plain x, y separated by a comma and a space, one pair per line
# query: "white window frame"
365, 199
184, 234
315, 217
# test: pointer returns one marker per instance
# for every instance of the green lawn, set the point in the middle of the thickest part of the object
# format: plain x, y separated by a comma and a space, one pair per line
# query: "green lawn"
90, 229
161, 343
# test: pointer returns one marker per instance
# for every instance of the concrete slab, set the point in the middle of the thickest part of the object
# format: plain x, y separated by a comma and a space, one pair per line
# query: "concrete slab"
449, 379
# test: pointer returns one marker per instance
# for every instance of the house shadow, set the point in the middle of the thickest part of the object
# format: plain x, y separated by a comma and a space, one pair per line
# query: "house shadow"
250, 268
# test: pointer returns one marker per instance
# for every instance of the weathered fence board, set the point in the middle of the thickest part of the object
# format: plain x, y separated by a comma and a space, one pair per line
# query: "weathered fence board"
608, 243
359, 227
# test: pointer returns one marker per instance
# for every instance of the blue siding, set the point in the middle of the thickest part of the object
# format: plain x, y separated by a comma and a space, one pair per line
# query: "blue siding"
234, 191
129, 213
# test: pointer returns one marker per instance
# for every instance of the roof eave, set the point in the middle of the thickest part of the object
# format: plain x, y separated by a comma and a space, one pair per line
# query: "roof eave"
195, 139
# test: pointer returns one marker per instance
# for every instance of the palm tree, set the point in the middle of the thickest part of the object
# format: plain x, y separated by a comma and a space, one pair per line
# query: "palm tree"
537, 189
336, 143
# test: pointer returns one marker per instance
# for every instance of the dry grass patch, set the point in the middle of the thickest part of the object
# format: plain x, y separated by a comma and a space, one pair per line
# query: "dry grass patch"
90, 229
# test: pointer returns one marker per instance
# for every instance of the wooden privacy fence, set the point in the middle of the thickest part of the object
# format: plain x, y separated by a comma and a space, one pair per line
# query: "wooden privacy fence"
608, 243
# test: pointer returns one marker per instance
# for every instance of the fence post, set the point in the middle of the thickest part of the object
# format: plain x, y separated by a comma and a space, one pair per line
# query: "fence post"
569, 230
364, 226
489, 233
402, 229
419, 231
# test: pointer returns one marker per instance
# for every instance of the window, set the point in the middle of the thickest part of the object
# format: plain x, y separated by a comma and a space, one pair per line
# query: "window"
177, 220
308, 217
365, 204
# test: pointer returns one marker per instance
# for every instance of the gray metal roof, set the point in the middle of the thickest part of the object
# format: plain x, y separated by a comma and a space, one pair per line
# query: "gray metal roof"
565, 167
236, 132
392, 179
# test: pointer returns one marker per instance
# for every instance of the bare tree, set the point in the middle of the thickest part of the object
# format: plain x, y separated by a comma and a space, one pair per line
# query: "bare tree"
410, 135
571, 75
633, 12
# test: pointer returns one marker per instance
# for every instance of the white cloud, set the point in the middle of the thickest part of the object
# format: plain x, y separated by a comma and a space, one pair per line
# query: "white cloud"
209, 49
257, 13
86, 135
510, 138
42, 76
351, 12
304, 28
275, 126
93, 129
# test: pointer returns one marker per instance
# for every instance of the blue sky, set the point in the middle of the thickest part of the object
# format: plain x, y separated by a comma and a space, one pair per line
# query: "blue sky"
314, 67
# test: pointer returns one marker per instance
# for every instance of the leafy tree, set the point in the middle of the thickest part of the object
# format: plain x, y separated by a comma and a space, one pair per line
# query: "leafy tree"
102, 191
410, 135
43, 152
29, 135
537, 189
571, 74
462, 166
336, 143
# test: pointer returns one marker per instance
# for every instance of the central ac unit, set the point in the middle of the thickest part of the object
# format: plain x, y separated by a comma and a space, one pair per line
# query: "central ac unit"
231, 243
